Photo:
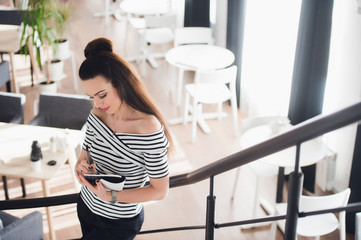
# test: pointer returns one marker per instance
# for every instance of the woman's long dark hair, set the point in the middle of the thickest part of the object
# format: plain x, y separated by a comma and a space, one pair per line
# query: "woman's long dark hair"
101, 61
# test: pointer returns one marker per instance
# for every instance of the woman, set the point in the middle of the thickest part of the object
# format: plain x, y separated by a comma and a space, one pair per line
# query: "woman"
126, 135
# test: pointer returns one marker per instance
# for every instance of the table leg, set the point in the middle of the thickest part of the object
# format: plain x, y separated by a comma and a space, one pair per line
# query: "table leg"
48, 211
106, 12
202, 124
180, 86
109, 10
256, 202
152, 61
22, 182
145, 55
201, 120
5, 182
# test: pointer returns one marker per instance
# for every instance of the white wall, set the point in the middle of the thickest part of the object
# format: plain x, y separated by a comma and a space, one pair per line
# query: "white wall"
220, 28
343, 86
177, 6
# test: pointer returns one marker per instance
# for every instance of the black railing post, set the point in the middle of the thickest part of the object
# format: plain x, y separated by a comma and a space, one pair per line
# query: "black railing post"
211, 202
280, 183
294, 193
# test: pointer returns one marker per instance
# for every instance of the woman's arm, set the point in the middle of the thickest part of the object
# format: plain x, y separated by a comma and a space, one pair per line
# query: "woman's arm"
156, 190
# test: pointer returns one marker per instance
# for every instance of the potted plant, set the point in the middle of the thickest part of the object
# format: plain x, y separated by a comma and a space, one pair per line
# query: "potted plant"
62, 25
39, 33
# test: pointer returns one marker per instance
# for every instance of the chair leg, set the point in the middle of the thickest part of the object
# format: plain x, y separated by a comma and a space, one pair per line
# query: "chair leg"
197, 110
5, 187
6, 191
22, 182
342, 225
180, 86
235, 182
126, 29
256, 198
8, 86
142, 46
273, 231
186, 109
219, 110
235, 115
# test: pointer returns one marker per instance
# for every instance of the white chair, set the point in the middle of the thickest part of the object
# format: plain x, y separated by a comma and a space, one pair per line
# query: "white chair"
190, 35
258, 168
136, 12
210, 87
159, 30
133, 26
317, 225
193, 35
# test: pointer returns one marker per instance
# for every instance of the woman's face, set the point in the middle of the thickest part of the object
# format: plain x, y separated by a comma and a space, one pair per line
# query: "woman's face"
102, 93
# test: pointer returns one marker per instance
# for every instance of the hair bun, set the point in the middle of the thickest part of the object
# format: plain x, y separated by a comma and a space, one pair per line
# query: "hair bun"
97, 46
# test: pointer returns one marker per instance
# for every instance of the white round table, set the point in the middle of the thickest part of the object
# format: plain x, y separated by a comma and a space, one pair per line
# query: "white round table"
312, 151
199, 57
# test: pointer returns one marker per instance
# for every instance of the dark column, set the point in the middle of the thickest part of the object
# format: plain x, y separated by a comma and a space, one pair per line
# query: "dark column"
196, 13
236, 14
310, 67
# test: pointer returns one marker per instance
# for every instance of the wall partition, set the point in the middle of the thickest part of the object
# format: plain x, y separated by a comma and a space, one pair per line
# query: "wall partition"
310, 68
196, 13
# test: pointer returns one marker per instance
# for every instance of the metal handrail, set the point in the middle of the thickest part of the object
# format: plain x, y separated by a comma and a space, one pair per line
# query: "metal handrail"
302, 132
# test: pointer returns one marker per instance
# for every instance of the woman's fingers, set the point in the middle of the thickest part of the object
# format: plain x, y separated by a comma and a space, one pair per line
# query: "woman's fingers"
92, 168
86, 168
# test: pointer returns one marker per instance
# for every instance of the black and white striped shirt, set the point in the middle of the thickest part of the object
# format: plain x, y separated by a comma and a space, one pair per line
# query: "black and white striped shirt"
136, 156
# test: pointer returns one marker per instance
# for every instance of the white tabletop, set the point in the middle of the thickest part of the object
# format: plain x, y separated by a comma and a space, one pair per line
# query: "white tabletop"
15, 149
312, 151
145, 7
200, 57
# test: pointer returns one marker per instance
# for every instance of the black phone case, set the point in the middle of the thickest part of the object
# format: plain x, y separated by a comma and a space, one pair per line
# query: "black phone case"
91, 178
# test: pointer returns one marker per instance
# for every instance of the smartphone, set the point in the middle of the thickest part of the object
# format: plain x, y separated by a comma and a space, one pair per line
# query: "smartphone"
112, 182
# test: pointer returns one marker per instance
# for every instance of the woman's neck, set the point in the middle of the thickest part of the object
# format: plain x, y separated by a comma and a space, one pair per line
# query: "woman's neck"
124, 113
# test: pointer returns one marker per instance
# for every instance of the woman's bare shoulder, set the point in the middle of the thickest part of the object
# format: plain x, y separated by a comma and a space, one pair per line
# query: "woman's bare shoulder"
148, 124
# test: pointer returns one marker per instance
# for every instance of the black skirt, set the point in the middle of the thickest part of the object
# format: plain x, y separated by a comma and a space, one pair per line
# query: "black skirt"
97, 227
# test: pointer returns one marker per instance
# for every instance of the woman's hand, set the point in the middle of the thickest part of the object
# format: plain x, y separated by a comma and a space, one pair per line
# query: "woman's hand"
81, 168
98, 189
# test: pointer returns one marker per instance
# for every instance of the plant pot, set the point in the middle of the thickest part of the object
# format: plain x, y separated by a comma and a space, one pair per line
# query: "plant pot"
56, 70
61, 49
47, 87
